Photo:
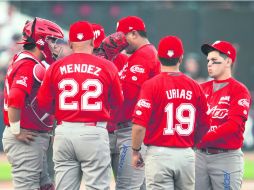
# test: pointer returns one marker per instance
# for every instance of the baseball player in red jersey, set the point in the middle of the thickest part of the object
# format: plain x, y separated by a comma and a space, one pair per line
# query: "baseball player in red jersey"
141, 65
99, 35
171, 118
82, 89
219, 160
26, 136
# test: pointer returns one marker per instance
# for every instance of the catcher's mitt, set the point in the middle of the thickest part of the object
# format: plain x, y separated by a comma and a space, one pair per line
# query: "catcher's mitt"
113, 44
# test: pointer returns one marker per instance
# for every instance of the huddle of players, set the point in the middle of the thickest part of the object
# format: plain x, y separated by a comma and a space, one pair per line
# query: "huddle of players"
150, 110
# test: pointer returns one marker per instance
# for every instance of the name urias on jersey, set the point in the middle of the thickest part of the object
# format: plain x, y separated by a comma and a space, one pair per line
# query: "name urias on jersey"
80, 68
179, 93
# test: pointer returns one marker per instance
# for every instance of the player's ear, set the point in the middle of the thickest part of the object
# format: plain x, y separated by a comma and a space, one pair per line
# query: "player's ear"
229, 62
70, 44
92, 43
181, 59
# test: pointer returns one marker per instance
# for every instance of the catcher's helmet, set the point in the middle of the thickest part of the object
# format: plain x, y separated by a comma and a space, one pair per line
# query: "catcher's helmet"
38, 32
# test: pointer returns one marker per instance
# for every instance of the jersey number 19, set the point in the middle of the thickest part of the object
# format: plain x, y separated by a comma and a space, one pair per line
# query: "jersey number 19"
189, 120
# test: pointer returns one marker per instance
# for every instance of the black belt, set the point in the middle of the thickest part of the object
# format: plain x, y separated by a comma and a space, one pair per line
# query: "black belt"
124, 125
213, 150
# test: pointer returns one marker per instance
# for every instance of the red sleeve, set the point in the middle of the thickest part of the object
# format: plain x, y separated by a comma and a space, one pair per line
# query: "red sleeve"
16, 98
203, 119
45, 93
23, 78
237, 116
116, 94
143, 108
156, 70
120, 60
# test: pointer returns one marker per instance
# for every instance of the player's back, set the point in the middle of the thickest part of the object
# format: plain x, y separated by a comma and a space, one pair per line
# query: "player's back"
175, 105
82, 84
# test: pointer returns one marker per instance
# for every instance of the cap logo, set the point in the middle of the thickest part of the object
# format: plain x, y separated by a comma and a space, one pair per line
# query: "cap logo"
229, 52
170, 53
80, 36
96, 33
130, 27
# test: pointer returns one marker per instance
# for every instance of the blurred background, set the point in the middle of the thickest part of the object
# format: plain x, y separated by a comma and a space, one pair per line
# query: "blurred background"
195, 22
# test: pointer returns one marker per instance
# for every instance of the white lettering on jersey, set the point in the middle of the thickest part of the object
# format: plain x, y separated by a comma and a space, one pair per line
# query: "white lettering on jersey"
213, 128
22, 81
121, 73
80, 68
224, 100
137, 69
177, 93
244, 103
144, 103
215, 112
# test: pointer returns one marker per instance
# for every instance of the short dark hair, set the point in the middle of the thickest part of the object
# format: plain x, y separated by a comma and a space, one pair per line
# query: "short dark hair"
29, 46
169, 62
142, 33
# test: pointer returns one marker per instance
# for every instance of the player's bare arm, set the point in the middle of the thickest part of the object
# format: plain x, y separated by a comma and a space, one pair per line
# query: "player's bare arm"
138, 134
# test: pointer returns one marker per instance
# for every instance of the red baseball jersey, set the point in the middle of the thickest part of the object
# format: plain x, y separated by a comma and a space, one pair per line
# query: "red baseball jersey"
172, 108
228, 106
142, 65
20, 75
120, 60
82, 88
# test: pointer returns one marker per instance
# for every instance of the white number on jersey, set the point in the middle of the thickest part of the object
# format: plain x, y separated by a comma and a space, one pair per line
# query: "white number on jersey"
73, 91
189, 120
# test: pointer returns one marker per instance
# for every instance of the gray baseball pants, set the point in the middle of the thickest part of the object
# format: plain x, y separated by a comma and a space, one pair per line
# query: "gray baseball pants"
219, 171
170, 168
28, 161
81, 151
128, 178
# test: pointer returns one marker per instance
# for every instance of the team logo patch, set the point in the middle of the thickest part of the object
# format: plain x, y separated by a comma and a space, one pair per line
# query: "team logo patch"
224, 100
138, 112
80, 36
170, 53
40, 42
22, 81
144, 103
216, 112
137, 69
134, 78
96, 33
244, 103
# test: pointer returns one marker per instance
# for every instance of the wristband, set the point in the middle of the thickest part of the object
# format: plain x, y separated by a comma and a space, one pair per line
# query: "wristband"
137, 150
15, 127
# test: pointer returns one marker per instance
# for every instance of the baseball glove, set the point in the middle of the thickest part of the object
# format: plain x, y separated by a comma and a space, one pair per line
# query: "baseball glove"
113, 44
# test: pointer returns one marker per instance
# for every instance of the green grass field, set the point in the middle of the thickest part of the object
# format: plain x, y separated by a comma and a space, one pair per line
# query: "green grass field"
5, 170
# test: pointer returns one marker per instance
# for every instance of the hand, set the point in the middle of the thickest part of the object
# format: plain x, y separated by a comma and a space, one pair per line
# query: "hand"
26, 136
137, 160
114, 44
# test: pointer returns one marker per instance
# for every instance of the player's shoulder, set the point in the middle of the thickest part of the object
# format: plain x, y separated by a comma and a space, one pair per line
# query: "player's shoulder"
206, 84
239, 86
146, 53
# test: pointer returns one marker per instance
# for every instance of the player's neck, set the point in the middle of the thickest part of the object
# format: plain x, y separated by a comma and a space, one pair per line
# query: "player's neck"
225, 76
169, 68
142, 42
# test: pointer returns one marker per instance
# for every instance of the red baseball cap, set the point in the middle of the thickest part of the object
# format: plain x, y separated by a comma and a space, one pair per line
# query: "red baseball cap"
130, 23
80, 31
99, 34
170, 47
221, 46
